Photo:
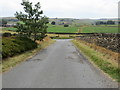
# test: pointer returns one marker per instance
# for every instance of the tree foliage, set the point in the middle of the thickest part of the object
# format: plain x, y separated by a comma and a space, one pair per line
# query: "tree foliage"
66, 25
53, 22
3, 22
109, 22
34, 24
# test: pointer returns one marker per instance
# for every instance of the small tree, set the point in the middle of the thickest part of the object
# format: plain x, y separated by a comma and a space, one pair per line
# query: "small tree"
33, 24
110, 22
53, 22
4, 22
119, 22
66, 25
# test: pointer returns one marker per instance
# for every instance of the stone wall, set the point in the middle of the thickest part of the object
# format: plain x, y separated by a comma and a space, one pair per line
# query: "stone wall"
109, 41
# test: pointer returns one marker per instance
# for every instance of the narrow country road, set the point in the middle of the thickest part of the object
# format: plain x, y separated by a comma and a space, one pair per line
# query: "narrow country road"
58, 66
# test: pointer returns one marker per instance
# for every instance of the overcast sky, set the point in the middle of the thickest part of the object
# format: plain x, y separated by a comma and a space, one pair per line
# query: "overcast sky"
66, 8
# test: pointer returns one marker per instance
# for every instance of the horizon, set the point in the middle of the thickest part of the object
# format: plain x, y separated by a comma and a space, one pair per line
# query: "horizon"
73, 18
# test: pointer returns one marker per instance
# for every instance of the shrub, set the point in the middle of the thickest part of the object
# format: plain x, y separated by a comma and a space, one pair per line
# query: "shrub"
66, 25
15, 45
6, 34
53, 22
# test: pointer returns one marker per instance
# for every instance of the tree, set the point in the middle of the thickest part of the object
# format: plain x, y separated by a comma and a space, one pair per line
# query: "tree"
100, 23
66, 25
119, 22
53, 22
34, 24
110, 22
3, 22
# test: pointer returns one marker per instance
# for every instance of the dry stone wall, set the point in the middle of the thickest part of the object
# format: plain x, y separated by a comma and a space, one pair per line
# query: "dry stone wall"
106, 40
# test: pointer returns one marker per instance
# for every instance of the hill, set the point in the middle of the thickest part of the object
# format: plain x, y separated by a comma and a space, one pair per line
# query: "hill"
61, 21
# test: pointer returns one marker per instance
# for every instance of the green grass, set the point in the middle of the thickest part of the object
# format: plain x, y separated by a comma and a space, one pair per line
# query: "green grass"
10, 28
97, 29
109, 25
54, 28
95, 57
62, 29
73, 29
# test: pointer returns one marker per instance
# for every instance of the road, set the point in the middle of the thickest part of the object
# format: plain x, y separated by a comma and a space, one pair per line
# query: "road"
58, 66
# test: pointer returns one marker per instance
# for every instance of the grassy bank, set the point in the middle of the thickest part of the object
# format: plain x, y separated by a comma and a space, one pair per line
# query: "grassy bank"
11, 62
98, 59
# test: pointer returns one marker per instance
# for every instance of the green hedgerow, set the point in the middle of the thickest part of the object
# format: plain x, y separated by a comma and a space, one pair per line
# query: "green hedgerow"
15, 45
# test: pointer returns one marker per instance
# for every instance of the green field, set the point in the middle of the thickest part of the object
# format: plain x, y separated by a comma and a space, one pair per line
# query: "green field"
98, 29
62, 29
73, 29
10, 28
54, 28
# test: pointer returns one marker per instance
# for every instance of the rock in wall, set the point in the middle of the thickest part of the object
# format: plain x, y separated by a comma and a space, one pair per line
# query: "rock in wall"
106, 40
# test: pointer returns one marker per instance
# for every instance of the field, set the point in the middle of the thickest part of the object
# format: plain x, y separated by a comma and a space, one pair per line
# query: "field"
62, 29
99, 29
10, 28
54, 28
74, 29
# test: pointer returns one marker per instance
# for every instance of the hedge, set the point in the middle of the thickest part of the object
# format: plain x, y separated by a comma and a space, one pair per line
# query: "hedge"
15, 45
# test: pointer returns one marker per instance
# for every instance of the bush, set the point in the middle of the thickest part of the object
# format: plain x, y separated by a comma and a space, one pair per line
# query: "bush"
15, 45
53, 22
66, 25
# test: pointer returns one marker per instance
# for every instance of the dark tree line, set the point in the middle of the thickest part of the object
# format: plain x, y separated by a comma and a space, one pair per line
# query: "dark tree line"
53, 23
109, 22
119, 22
3, 22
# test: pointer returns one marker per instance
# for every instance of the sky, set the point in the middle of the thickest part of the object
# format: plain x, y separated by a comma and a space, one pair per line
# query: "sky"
79, 9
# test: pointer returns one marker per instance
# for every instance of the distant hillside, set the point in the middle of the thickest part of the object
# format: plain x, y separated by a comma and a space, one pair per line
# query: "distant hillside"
10, 20
70, 21
115, 19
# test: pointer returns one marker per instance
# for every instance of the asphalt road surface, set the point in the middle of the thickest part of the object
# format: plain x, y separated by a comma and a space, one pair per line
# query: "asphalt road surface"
58, 66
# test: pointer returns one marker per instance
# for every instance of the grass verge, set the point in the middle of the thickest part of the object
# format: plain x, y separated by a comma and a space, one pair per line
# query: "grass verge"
11, 62
95, 57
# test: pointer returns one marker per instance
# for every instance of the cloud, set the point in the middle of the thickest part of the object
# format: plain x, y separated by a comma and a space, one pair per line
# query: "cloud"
67, 8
